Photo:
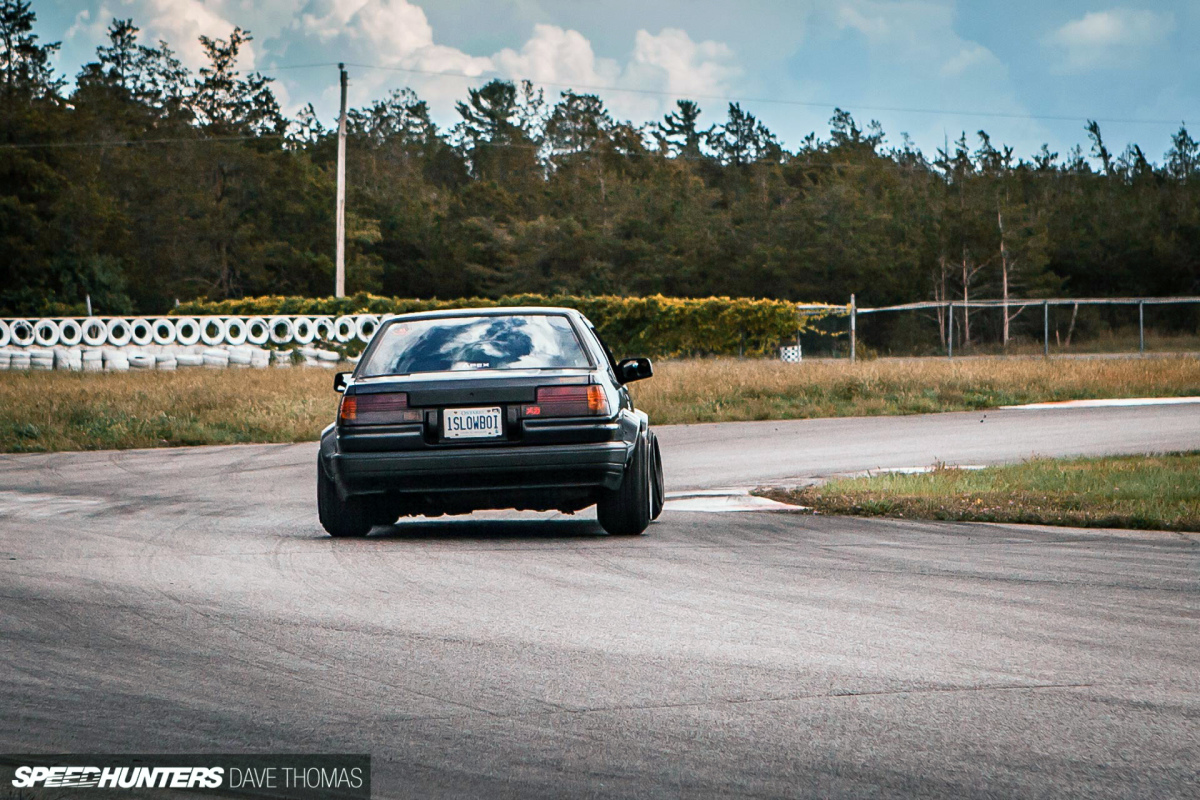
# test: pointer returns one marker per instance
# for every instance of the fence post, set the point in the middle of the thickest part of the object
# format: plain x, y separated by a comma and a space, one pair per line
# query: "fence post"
853, 328
1046, 328
1141, 327
950, 332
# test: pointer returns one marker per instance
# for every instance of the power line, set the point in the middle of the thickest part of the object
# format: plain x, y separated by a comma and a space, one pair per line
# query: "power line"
767, 100
298, 66
131, 142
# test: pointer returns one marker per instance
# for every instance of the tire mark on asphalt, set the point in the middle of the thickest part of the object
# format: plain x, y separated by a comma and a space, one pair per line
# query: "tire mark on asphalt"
792, 698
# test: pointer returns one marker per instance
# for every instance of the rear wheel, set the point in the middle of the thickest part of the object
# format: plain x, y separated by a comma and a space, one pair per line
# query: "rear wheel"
626, 510
658, 485
339, 517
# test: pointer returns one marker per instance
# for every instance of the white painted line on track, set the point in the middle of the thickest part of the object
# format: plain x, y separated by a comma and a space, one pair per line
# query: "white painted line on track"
1116, 402
723, 501
868, 473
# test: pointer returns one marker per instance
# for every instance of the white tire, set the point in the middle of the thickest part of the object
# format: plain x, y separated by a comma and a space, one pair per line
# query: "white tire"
235, 331
324, 328
257, 330
304, 332
212, 331
69, 333
282, 330
4, 335
45, 332
365, 327
95, 332
21, 332
119, 332
187, 331
189, 359
141, 332
344, 329
164, 332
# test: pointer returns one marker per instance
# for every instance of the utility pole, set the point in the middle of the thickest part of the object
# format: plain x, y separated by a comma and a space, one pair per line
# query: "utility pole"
950, 332
340, 285
853, 327
1046, 328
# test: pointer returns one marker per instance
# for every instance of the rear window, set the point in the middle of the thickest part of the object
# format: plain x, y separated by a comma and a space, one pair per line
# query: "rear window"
535, 341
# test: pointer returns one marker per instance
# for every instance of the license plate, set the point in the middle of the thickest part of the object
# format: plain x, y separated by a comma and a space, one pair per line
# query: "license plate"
472, 423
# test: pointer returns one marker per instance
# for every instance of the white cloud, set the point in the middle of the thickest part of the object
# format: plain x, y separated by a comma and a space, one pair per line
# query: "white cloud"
87, 27
182, 22
554, 55
969, 57
1109, 38
396, 34
679, 65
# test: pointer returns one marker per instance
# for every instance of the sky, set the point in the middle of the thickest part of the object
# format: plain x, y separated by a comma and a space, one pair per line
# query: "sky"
1027, 71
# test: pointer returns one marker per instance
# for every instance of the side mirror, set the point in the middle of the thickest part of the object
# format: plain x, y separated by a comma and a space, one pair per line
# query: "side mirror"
340, 380
634, 369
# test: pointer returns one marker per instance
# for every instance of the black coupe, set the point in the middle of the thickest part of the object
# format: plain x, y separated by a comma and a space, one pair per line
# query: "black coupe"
449, 412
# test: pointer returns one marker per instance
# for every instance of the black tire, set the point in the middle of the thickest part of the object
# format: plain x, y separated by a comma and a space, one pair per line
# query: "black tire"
656, 473
340, 517
625, 511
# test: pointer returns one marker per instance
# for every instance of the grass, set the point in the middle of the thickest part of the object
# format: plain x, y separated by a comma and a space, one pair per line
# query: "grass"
1160, 492
43, 411
717, 390
46, 411
1119, 340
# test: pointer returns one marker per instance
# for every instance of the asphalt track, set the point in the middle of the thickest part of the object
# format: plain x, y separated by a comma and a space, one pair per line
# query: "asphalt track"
186, 601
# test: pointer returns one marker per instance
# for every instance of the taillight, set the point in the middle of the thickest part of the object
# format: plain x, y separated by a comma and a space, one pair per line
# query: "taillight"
376, 409
348, 409
569, 401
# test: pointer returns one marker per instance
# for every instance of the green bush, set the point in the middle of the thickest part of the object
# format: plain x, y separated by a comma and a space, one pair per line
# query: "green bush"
650, 326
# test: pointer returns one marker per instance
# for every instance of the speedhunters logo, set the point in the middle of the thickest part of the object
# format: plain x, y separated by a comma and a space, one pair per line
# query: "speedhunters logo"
119, 777
284, 775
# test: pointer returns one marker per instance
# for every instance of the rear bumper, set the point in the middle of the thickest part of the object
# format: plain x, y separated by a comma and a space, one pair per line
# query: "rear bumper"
483, 469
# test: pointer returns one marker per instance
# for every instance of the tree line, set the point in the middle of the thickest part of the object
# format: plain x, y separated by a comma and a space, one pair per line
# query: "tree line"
146, 183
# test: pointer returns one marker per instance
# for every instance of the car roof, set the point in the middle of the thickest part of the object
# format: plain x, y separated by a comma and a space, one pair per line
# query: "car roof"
494, 311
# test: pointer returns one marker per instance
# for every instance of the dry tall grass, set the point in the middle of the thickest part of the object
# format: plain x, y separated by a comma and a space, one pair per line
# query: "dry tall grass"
728, 389
99, 411
87, 411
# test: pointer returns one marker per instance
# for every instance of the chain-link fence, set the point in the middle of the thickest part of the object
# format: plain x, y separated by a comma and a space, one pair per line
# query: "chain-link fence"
1046, 326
